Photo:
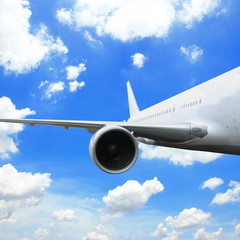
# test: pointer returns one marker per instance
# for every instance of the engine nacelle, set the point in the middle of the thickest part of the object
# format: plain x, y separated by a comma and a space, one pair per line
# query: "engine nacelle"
113, 149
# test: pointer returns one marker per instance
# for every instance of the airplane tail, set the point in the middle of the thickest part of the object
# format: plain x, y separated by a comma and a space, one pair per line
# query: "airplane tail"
133, 107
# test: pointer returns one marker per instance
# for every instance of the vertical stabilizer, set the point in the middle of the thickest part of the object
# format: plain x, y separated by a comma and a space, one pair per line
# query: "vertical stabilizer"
133, 107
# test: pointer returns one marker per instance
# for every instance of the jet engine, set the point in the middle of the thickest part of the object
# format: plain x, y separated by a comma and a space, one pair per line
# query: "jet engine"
113, 149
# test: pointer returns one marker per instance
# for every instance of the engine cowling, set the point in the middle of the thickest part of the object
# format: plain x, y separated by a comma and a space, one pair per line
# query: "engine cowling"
113, 149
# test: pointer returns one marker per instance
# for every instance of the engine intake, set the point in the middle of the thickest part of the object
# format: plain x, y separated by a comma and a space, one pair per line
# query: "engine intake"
113, 149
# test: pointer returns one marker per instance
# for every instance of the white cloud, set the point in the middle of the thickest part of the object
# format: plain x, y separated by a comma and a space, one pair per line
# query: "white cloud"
72, 74
108, 217
237, 231
43, 83
234, 222
212, 183
54, 88
41, 234
176, 156
99, 234
222, 11
64, 16
8, 131
90, 38
20, 50
192, 52
64, 215
138, 60
188, 218
131, 195
231, 195
195, 10
7, 221
74, 71
74, 85
20, 189
123, 20
54, 46
162, 232
201, 234
172, 236
15, 185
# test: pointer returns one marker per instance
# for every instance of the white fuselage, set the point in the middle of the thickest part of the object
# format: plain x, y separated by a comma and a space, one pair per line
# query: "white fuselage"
215, 103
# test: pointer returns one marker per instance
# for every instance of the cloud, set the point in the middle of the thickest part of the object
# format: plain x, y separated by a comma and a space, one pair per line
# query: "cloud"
162, 232
201, 234
237, 231
124, 21
7, 221
64, 16
54, 88
188, 218
90, 38
74, 85
54, 46
192, 52
138, 60
20, 189
195, 10
231, 195
72, 74
176, 156
9, 131
108, 217
18, 185
131, 195
99, 234
74, 71
41, 234
172, 236
20, 50
64, 215
43, 83
222, 11
212, 183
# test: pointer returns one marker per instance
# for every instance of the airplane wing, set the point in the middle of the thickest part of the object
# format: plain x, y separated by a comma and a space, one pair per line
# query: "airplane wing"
179, 132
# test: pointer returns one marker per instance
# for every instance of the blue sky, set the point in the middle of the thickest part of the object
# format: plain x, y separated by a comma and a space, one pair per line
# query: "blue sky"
71, 60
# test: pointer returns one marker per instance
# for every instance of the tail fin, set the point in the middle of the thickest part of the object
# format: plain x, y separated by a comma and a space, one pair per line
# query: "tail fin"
133, 107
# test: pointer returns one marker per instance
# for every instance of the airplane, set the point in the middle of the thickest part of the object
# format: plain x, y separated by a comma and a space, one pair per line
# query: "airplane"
204, 118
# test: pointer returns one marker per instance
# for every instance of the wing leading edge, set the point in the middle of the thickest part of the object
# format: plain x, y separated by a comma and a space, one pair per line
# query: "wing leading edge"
172, 133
